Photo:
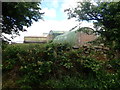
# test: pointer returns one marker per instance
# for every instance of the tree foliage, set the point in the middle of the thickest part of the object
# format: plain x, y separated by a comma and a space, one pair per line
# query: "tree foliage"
106, 17
19, 14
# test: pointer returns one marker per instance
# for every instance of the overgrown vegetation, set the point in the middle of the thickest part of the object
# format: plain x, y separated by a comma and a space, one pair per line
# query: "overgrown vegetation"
30, 66
59, 66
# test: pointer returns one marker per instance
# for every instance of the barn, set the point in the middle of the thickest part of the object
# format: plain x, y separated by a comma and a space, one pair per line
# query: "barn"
53, 33
77, 37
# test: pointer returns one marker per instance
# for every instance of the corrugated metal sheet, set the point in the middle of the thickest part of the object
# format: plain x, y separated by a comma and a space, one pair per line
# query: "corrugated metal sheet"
69, 37
52, 34
35, 39
77, 37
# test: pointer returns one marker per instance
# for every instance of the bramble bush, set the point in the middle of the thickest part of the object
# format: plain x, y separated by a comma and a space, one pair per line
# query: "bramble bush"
58, 66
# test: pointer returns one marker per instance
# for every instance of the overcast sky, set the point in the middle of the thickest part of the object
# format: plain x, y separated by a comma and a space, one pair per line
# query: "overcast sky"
54, 19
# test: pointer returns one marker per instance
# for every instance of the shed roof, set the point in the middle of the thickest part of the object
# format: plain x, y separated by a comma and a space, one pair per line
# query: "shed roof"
56, 32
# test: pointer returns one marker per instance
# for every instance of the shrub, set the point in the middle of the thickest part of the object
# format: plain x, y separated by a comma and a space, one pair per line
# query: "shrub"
58, 66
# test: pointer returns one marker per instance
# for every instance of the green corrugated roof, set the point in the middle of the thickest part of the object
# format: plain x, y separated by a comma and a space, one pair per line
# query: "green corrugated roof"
68, 37
58, 31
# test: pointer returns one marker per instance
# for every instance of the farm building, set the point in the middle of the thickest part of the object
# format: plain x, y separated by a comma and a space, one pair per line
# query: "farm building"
47, 37
76, 38
52, 34
35, 39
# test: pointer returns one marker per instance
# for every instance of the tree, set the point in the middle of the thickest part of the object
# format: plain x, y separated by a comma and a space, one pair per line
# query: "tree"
106, 18
19, 14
